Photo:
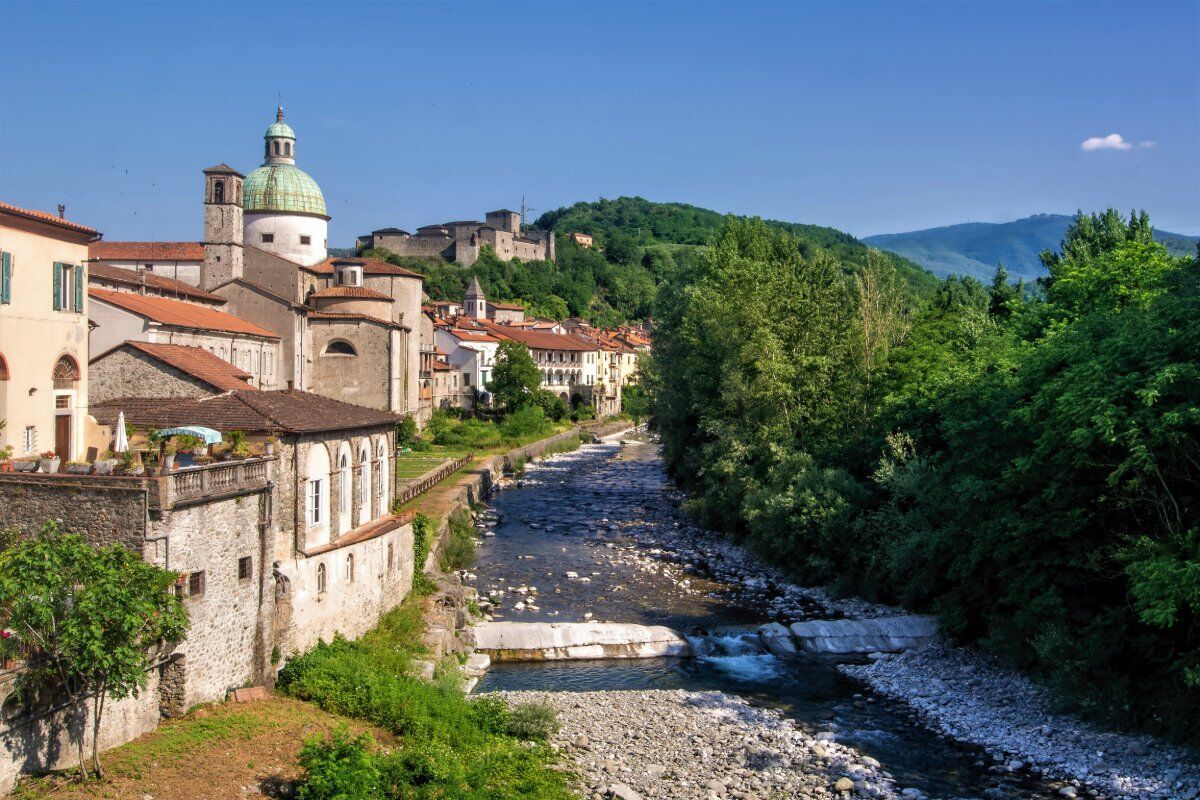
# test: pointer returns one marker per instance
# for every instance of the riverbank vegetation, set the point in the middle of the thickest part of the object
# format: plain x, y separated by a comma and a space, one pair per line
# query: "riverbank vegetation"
447, 745
1023, 461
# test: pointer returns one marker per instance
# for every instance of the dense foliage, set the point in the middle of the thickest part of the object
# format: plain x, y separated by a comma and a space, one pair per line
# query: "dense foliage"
449, 746
91, 621
639, 245
1027, 465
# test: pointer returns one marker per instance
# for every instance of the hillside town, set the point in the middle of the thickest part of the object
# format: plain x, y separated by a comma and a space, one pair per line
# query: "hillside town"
228, 408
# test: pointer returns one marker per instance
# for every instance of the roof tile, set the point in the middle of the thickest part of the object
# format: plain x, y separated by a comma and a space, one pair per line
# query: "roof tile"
167, 311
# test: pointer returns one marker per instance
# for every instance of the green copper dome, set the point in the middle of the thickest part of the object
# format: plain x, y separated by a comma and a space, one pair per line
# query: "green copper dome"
279, 128
282, 187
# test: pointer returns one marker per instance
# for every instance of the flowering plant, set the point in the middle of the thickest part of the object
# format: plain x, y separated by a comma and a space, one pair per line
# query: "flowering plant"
49, 454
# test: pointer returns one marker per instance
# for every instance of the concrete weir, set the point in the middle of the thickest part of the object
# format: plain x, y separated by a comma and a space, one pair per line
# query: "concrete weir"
883, 634
548, 641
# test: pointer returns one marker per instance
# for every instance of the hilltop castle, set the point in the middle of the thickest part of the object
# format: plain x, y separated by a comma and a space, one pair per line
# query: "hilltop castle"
461, 241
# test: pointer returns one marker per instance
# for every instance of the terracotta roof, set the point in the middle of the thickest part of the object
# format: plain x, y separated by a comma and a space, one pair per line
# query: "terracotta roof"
167, 311
441, 366
351, 291
371, 266
353, 315
146, 251
471, 336
195, 361
280, 411
130, 277
223, 169
507, 306
45, 216
539, 340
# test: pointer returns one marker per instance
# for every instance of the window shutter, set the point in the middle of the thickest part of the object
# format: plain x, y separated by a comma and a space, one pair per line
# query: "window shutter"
5, 277
58, 270
79, 288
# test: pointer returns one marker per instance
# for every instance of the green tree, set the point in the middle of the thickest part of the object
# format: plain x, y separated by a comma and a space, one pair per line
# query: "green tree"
635, 402
97, 617
1003, 294
516, 376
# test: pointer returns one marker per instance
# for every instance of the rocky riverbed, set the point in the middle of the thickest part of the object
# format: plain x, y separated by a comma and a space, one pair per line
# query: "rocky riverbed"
679, 745
602, 535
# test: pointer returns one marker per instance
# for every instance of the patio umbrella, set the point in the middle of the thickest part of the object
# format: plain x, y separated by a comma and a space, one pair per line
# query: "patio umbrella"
122, 442
206, 435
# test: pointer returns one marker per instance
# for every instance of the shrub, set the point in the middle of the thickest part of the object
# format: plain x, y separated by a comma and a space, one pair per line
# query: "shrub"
533, 721
459, 551
526, 421
554, 406
422, 539
406, 432
341, 767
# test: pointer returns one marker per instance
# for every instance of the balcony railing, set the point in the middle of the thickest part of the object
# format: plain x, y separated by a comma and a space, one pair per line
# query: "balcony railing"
222, 479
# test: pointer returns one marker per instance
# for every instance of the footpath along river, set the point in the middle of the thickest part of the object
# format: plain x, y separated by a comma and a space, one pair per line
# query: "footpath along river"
599, 534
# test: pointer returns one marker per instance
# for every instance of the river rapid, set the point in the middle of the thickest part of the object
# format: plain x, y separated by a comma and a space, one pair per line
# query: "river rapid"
599, 534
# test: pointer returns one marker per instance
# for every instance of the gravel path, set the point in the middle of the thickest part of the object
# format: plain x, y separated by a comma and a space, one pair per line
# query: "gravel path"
679, 745
958, 693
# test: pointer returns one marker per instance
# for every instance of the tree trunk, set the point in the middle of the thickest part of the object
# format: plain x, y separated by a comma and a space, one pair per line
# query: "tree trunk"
98, 709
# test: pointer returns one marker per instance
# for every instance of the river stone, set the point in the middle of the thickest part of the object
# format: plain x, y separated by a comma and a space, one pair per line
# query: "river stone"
621, 791
537, 641
843, 785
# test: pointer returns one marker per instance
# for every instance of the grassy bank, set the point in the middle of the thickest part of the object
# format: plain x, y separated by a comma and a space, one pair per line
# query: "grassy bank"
447, 746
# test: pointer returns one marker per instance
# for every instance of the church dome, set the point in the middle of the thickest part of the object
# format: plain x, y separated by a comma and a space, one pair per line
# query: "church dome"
279, 130
282, 187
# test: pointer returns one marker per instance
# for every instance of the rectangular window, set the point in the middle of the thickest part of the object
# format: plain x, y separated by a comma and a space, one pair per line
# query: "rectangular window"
305, 240
29, 440
466, 379
268, 238
245, 568
68, 291
196, 584
316, 514
5, 278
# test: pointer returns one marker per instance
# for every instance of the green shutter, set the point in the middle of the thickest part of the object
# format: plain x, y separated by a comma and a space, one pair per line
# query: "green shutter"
57, 286
5, 277
79, 288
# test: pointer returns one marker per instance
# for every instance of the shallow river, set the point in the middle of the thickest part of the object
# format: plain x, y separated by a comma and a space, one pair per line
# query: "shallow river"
595, 533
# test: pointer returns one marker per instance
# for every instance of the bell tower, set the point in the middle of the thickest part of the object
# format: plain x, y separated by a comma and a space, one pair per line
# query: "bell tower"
222, 226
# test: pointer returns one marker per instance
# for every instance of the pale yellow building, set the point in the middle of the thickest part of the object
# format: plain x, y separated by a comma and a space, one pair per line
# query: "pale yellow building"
43, 332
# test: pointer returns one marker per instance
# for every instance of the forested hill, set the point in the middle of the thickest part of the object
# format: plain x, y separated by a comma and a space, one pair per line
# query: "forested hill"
974, 248
635, 221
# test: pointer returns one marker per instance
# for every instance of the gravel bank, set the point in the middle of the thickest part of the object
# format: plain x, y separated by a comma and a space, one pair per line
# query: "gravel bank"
679, 745
958, 693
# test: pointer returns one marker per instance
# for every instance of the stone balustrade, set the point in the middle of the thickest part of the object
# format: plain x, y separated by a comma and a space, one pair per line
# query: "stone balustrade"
205, 482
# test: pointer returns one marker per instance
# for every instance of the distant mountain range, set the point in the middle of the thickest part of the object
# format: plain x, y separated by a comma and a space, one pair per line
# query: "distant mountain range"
974, 248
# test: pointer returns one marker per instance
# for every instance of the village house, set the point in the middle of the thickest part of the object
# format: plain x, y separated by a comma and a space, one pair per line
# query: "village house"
178, 261
43, 333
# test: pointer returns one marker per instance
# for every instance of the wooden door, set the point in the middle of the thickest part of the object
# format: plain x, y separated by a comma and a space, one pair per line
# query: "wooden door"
62, 436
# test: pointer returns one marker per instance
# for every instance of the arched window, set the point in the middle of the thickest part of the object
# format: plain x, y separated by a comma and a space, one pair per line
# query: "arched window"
322, 579
277, 147
364, 482
219, 191
66, 373
345, 488
316, 494
287, 149
381, 477
339, 348
3, 368
349, 574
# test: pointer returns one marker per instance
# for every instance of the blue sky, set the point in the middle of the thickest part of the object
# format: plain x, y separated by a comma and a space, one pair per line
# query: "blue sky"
869, 117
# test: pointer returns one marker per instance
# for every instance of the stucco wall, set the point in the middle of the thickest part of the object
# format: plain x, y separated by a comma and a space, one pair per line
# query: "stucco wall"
287, 230
184, 271
362, 379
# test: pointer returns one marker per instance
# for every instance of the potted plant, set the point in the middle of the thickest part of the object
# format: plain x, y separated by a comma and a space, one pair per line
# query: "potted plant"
6, 458
128, 463
79, 467
237, 446
26, 463
203, 460
104, 465
270, 444
168, 455
48, 461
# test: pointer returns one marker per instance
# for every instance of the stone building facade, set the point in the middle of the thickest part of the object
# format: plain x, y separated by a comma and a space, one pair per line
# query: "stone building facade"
274, 552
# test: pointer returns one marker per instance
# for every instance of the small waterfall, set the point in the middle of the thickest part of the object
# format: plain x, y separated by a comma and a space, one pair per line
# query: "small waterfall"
739, 654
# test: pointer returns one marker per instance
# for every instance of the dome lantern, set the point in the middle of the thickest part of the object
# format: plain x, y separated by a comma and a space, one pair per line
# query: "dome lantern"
280, 141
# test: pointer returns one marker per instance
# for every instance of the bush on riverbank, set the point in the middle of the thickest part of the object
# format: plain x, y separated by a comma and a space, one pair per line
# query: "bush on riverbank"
1026, 465
459, 550
451, 747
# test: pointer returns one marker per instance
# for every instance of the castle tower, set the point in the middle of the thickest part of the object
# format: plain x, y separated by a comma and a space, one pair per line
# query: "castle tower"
222, 226
505, 220
474, 303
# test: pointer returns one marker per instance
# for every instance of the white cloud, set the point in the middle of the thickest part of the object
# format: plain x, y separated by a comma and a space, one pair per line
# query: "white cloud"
1113, 141
1150, 143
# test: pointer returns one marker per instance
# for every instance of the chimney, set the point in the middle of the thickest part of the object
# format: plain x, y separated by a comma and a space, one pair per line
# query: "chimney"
62, 211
